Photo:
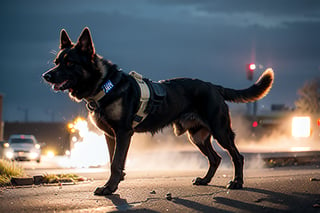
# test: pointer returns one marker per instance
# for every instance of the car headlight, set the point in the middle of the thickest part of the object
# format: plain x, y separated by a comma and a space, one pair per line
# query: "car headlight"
34, 155
9, 154
37, 146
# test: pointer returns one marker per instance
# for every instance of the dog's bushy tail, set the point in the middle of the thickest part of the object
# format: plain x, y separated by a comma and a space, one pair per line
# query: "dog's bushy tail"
257, 91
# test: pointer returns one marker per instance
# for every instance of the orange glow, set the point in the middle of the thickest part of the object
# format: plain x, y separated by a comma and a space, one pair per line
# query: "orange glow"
50, 154
70, 125
90, 149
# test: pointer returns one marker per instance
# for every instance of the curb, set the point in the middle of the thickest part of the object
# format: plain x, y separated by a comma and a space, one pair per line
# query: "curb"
35, 180
40, 179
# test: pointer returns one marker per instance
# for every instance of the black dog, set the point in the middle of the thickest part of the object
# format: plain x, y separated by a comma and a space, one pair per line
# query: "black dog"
121, 104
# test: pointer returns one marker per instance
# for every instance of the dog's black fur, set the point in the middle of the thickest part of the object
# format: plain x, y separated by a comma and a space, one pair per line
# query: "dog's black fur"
190, 105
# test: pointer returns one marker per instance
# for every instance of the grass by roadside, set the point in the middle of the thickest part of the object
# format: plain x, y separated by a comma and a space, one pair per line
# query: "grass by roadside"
12, 170
9, 169
62, 178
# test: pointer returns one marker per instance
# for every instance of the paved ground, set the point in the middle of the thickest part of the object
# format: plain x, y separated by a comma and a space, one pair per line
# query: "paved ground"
286, 189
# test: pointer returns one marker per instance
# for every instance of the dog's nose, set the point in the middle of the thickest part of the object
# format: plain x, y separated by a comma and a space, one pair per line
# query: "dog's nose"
47, 76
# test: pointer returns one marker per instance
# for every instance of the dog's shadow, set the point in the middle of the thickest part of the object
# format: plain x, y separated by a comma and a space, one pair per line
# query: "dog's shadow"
122, 205
119, 203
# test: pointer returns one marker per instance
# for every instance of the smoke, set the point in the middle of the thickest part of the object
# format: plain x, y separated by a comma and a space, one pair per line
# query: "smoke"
165, 151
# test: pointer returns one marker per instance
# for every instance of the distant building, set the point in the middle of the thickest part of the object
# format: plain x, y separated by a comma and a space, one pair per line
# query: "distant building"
279, 107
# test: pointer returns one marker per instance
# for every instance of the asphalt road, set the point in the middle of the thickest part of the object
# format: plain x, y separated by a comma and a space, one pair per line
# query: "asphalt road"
284, 189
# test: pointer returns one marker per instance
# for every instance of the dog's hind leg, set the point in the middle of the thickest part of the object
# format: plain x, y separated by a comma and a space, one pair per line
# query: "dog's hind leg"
201, 138
225, 138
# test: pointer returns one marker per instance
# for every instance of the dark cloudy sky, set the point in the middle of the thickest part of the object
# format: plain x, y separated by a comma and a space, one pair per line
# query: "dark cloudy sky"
207, 39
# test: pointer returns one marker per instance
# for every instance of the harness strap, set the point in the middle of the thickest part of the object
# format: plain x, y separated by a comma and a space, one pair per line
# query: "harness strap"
93, 102
144, 99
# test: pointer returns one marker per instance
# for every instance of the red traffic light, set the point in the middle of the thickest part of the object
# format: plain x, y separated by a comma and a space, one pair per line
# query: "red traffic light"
249, 70
254, 124
252, 66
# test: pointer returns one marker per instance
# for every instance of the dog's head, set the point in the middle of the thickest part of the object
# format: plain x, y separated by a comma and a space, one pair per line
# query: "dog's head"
77, 69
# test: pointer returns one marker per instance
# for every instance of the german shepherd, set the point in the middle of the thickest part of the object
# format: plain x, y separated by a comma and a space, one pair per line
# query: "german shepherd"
189, 105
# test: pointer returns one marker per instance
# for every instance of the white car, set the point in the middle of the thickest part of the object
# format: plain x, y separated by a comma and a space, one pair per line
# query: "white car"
23, 148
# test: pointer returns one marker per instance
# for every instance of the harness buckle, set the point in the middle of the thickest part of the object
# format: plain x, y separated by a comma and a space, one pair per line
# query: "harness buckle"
92, 105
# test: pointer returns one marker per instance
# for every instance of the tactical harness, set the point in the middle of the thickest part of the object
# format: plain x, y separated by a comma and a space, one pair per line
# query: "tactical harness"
151, 96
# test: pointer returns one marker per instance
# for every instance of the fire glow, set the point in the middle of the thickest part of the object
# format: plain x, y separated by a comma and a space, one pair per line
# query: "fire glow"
89, 150
147, 152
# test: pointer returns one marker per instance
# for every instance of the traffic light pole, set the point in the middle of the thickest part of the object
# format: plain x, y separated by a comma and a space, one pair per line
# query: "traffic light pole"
250, 68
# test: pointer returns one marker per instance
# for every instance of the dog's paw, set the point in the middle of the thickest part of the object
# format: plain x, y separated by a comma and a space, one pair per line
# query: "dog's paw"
200, 182
103, 191
234, 185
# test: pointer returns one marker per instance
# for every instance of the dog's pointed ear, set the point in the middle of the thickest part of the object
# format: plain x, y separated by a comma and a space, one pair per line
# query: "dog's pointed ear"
65, 41
85, 43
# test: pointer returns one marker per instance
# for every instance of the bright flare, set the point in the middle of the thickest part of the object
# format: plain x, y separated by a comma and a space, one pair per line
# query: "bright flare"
301, 126
50, 154
90, 149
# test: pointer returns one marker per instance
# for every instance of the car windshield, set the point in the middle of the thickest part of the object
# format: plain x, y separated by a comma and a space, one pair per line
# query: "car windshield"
21, 140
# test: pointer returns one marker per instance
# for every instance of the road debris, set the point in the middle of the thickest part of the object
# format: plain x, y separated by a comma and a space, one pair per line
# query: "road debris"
169, 196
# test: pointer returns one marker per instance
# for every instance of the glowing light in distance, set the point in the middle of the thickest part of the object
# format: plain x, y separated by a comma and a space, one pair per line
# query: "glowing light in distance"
9, 155
50, 154
74, 139
255, 124
89, 148
301, 126
70, 125
34, 155
300, 149
252, 66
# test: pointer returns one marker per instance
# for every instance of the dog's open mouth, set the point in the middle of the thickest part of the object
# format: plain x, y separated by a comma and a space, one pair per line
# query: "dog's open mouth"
61, 86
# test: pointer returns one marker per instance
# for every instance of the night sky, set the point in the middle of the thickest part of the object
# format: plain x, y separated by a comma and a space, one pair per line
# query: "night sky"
206, 39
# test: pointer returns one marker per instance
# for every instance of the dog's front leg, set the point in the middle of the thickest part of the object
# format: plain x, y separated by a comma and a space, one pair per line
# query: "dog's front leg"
111, 142
118, 162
